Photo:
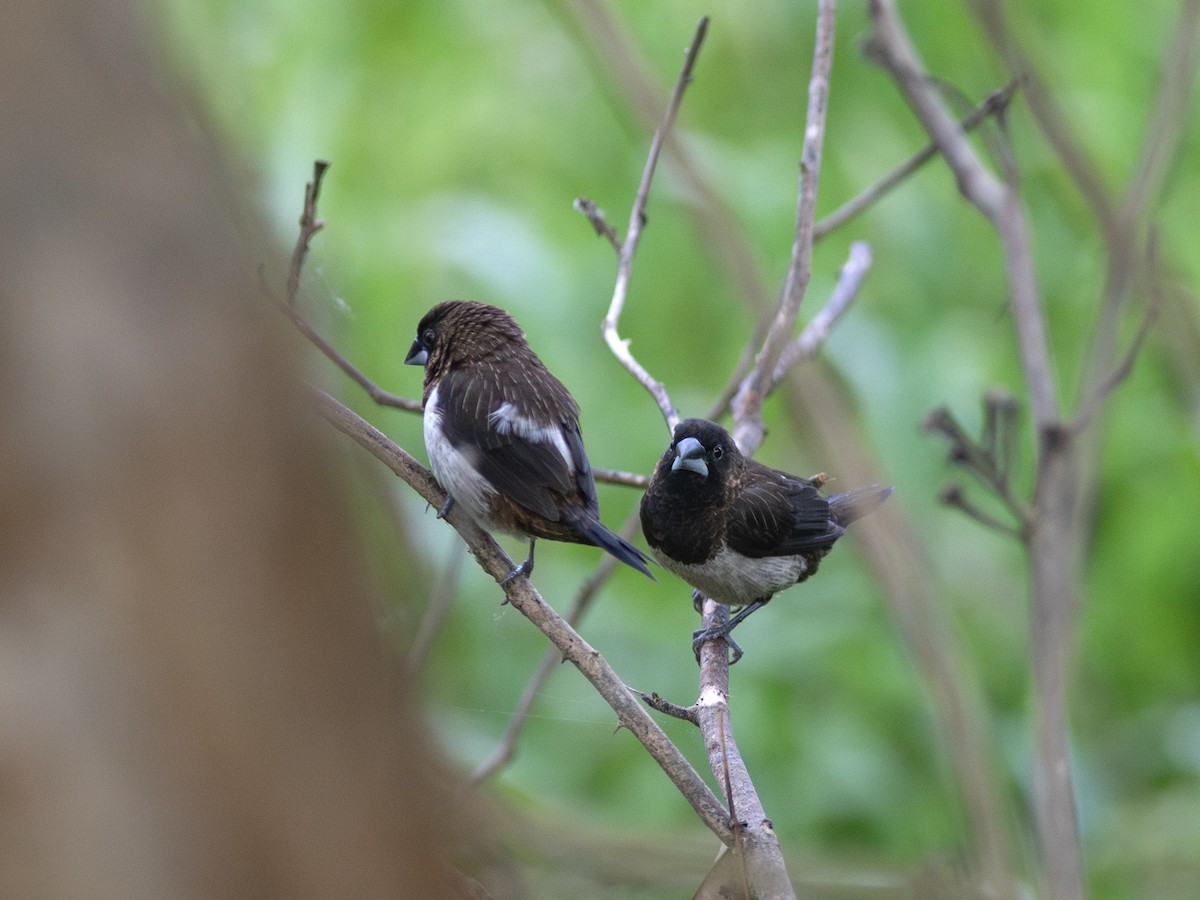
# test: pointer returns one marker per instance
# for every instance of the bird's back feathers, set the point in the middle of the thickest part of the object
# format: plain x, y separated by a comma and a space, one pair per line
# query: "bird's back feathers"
503, 433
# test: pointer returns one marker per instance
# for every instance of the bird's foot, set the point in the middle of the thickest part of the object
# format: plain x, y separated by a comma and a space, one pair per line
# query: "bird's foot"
445, 508
715, 633
525, 568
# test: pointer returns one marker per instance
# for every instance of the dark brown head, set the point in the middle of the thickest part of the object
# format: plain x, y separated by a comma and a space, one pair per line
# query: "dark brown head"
463, 332
701, 450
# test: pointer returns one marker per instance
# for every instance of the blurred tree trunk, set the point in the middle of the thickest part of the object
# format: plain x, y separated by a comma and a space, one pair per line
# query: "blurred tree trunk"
194, 700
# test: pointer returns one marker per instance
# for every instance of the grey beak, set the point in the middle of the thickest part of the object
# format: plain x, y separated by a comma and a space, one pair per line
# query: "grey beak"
417, 355
689, 454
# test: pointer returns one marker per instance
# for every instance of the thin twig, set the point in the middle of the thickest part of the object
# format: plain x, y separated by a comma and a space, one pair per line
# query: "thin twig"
441, 601
626, 479
815, 333
1100, 391
637, 218
550, 663
374, 391
667, 708
524, 597
595, 215
991, 196
748, 428
993, 104
953, 495
1169, 116
309, 225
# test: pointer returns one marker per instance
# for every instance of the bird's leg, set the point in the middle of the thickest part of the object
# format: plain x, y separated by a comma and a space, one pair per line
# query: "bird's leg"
717, 632
445, 507
525, 568
698, 602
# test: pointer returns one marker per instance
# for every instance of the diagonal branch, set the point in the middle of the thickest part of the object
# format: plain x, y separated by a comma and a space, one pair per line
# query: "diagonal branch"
815, 333
994, 104
991, 196
525, 598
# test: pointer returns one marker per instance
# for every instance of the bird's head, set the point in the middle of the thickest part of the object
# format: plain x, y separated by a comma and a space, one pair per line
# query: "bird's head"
701, 449
462, 331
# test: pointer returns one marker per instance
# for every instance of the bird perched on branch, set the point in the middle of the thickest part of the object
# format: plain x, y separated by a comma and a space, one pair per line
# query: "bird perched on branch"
502, 433
736, 530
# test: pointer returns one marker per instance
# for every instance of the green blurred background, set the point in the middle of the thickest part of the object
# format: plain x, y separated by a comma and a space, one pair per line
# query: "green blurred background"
461, 132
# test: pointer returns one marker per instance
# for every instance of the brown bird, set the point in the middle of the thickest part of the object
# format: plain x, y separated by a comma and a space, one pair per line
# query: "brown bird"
502, 433
736, 530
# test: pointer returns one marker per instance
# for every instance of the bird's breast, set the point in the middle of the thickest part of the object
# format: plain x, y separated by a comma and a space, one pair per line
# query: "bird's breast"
734, 579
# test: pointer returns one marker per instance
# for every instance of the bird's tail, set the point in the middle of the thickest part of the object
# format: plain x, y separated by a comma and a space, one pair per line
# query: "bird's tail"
847, 507
612, 542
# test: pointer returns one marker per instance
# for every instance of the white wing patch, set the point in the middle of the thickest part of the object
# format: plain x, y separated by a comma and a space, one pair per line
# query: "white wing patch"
506, 420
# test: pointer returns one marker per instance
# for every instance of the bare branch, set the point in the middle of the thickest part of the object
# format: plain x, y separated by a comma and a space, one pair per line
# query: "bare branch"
992, 197
748, 429
1169, 117
953, 495
667, 708
816, 332
637, 218
755, 839
1050, 119
993, 104
595, 215
374, 391
1053, 533
441, 601
525, 598
1100, 391
628, 479
550, 663
309, 226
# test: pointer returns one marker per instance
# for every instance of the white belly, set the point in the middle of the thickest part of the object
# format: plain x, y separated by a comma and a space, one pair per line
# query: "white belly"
455, 469
734, 579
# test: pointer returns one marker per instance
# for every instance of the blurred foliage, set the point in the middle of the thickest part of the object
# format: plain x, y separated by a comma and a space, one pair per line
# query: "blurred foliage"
460, 132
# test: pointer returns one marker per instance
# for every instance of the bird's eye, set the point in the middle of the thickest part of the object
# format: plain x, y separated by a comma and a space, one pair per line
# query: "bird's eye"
428, 336
718, 451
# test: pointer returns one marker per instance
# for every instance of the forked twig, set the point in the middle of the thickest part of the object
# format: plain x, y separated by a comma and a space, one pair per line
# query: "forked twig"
993, 104
628, 247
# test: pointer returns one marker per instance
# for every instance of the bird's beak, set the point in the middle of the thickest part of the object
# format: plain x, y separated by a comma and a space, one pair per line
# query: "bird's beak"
417, 355
689, 454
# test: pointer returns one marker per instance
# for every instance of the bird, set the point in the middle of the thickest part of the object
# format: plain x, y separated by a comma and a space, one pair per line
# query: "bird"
502, 433
736, 530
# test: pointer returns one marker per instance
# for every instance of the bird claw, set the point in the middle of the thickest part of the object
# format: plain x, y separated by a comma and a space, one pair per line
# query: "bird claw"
523, 569
716, 633
698, 601
445, 508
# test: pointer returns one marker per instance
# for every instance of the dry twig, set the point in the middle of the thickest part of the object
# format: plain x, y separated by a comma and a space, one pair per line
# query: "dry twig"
748, 428
628, 247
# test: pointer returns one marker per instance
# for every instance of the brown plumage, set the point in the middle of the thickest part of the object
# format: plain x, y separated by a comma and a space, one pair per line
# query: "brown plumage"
502, 433
736, 530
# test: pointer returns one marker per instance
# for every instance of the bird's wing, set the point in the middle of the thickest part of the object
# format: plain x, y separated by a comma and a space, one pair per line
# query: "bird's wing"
773, 514
525, 441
